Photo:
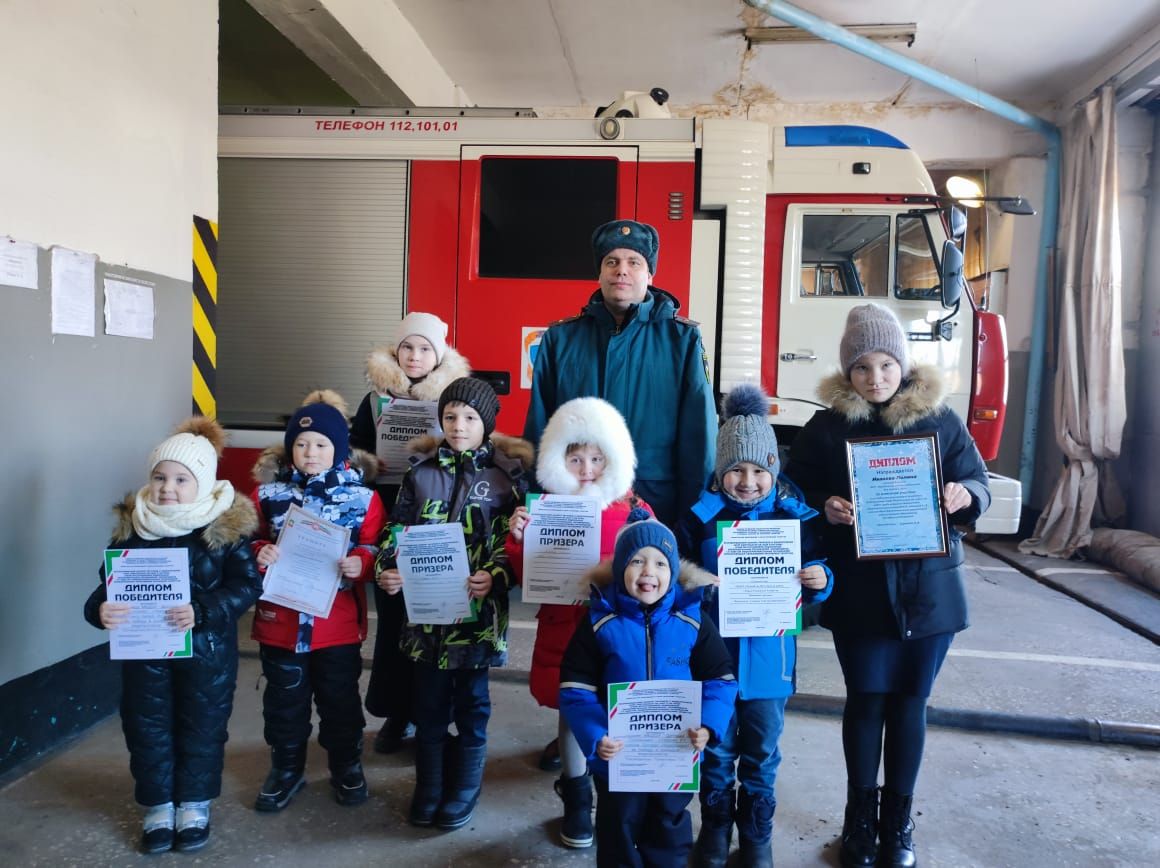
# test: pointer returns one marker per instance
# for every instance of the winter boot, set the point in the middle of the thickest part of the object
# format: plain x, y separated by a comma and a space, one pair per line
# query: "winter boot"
860, 828
157, 829
391, 737
286, 777
428, 783
576, 827
466, 779
347, 779
894, 831
192, 826
550, 757
712, 848
755, 829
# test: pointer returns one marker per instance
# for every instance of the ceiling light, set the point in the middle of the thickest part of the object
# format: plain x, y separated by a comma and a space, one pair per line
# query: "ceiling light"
876, 32
966, 190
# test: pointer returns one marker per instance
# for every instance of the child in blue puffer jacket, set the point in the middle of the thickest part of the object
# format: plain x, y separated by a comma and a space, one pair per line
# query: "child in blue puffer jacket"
746, 486
641, 626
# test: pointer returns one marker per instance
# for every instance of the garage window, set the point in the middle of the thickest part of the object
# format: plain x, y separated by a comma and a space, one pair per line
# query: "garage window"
537, 214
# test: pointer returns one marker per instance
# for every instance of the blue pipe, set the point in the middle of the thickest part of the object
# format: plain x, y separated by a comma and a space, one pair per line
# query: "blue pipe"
823, 29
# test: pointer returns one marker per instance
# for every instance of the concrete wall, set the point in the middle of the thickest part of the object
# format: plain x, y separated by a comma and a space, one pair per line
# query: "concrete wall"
1143, 501
1135, 131
109, 146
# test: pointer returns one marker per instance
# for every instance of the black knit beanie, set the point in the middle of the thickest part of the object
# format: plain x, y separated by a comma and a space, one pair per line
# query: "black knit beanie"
477, 395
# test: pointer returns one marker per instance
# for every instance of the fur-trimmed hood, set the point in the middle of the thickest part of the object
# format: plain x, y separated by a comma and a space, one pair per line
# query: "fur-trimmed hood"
237, 523
918, 396
272, 465
690, 578
594, 422
514, 448
386, 377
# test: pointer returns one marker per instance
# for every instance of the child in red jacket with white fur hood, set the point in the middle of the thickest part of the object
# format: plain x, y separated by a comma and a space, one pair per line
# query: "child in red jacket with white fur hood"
585, 449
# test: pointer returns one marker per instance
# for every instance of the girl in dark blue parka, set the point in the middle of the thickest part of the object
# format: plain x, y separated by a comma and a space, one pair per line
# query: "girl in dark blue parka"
892, 620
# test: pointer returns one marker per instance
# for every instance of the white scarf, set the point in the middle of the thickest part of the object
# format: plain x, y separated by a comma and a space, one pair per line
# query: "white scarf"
163, 521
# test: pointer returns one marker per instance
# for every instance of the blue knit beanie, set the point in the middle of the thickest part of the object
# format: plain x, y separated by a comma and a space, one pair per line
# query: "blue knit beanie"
631, 236
322, 419
641, 530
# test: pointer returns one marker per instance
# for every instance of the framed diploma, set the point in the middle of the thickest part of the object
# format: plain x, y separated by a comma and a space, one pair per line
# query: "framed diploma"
896, 488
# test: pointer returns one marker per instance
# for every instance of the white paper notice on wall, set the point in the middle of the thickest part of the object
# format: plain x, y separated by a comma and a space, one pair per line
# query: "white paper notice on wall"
128, 309
74, 276
18, 263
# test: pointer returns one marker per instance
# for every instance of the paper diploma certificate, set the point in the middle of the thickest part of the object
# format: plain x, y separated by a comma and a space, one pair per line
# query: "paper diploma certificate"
896, 488
433, 561
305, 577
653, 718
399, 421
151, 581
758, 563
561, 543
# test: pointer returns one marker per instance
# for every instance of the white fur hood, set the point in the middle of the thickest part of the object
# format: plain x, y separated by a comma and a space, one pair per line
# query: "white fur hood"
597, 423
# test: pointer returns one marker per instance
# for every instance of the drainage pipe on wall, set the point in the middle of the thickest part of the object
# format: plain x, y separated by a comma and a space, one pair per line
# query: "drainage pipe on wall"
838, 35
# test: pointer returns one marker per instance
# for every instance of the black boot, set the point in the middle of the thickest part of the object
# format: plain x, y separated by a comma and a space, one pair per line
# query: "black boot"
428, 783
755, 829
550, 757
286, 777
347, 778
391, 737
576, 827
712, 847
460, 797
894, 831
860, 829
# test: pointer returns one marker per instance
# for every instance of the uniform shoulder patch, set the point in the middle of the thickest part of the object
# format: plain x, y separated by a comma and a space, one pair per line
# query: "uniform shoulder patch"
566, 320
684, 320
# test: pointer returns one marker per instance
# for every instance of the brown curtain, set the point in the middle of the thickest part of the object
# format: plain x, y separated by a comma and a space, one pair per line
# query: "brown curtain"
1089, 400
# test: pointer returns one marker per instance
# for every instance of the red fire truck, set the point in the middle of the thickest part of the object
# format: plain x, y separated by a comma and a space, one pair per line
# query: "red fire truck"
332, 225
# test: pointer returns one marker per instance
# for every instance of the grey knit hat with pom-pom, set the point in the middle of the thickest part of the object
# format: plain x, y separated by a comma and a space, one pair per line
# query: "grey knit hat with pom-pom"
746, 434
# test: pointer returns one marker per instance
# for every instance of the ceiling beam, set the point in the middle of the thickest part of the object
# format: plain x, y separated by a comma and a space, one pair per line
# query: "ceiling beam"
1136, 61
368, 47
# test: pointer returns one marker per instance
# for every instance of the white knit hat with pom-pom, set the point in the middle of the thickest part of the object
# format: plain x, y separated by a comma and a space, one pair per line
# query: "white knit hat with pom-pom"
197, 445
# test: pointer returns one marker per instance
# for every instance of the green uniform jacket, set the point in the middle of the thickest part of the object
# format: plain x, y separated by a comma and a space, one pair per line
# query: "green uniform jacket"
653, 370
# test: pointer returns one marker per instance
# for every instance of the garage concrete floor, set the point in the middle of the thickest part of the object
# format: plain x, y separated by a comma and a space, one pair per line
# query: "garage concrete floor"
984, 799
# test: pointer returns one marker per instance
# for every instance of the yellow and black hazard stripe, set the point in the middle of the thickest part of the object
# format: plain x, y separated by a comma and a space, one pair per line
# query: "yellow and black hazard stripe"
205, 317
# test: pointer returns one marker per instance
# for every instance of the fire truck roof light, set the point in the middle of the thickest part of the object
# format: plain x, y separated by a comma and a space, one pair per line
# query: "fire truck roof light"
840, 136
